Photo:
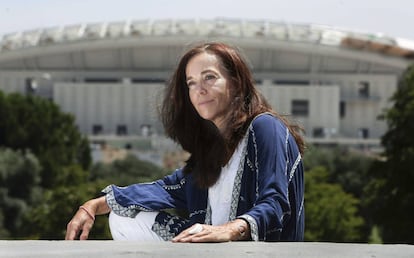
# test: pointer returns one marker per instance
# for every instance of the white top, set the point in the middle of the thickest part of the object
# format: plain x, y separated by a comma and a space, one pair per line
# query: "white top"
220, 194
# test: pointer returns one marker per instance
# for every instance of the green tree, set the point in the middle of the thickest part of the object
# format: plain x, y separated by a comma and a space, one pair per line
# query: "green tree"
37, 124
4, 233
19, 189
331, 214
391, 195
350, 169
48, 219
126, 171
346, 166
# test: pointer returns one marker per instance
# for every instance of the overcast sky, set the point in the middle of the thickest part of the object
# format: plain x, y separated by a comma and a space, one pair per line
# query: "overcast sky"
393, 18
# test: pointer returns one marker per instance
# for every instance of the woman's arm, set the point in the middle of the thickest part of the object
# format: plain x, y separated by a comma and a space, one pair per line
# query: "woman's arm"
273, 158
165, 193
84, 218
128, 201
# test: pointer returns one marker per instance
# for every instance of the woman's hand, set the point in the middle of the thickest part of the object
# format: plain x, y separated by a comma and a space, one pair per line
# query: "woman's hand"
84, 218
197, 233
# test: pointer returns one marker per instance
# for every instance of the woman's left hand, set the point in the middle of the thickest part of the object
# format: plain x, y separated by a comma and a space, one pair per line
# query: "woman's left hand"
199, 233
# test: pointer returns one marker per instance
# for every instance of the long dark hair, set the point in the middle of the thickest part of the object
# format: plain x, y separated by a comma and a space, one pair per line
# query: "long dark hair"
211, 149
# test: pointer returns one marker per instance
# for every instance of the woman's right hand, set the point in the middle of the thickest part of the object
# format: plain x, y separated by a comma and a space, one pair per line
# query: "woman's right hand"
84, 218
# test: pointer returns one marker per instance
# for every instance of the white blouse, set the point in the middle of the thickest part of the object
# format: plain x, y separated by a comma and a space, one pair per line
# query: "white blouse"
220, 194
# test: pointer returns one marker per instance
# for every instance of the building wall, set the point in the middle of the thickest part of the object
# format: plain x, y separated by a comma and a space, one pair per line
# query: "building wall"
363, 106
323, 108
134, 105
110, 106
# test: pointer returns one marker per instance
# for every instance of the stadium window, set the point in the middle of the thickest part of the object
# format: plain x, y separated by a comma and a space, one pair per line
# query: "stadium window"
342, 109
31, 86
300, 107
318, 132
102, 80
363, 90
97, 129
121, 130
292, 82
363, 133
147, 80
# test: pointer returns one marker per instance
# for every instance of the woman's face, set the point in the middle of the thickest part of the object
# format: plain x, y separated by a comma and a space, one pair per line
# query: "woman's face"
209, 87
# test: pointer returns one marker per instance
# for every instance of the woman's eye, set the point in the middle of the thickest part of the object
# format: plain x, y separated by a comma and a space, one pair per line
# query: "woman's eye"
209, 77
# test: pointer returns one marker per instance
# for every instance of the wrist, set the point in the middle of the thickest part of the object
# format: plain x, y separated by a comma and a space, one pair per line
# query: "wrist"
88, 212
97, 206
239, 229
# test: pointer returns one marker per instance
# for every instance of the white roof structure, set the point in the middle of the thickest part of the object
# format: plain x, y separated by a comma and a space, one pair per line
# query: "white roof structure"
120, 44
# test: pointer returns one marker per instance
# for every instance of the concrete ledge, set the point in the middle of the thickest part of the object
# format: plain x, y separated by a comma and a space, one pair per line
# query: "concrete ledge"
114, 249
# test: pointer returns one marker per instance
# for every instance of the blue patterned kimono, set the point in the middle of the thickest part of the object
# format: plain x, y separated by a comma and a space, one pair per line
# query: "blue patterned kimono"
268, 191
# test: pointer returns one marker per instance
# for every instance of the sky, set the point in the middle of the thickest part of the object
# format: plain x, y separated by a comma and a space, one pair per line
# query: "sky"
394, 18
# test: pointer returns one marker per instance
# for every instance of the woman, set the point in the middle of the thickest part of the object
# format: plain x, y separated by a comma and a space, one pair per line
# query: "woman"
244, 178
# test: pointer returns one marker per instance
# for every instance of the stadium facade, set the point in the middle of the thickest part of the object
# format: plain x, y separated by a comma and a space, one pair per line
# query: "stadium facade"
110, 75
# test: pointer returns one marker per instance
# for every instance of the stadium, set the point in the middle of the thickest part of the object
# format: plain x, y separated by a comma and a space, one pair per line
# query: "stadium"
110, 75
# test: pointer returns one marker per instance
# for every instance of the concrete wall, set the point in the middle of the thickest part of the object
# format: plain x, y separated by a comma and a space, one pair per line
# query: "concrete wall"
110, 105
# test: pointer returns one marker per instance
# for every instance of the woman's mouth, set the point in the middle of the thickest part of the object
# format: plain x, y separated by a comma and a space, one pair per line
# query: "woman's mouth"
205, 102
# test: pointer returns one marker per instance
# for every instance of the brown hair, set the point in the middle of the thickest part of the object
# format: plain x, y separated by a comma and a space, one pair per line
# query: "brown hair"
210, 149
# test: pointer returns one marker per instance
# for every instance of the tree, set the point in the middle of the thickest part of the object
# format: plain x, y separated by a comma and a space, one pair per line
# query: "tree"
19, 189
346, 166
48, 219
350, 169
127, 171
331, 214
391, 194
37, 124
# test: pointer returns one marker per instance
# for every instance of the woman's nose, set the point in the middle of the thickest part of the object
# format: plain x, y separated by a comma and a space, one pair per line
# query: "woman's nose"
201, 89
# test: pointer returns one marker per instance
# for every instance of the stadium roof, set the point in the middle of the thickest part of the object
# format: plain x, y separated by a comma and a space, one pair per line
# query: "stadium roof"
17, 48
